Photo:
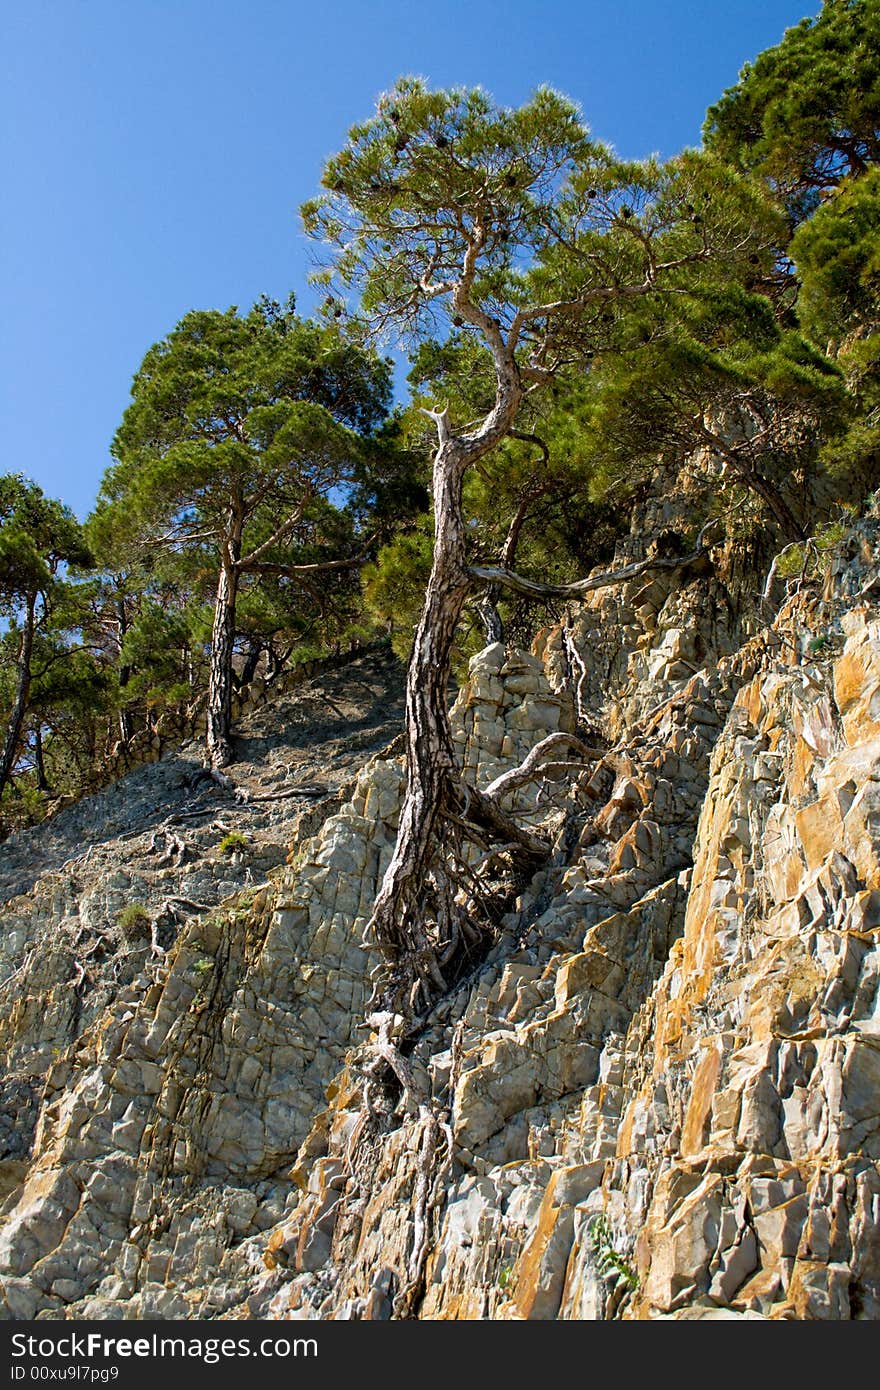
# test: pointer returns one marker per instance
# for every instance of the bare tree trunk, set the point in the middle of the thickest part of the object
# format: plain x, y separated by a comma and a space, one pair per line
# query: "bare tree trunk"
401, 925
22, 691
219, 712
493, 627
39, 764
126, 726
397, 924
252, 661
415, 922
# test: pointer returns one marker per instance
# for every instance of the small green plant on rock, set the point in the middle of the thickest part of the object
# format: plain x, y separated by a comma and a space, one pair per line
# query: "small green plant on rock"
134, 921
233, 843
810, 559
611, 1264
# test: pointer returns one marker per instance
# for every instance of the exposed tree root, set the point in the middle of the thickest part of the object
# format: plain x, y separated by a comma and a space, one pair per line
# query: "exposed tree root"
435, 1157
174, 850
385, 1052
227, 783
474, 865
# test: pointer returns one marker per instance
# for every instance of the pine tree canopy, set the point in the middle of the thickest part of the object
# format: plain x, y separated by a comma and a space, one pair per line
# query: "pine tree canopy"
239, 419
807, 112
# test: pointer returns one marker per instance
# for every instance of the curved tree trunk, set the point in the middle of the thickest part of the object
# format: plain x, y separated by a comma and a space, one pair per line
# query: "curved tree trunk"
219, 713
784, 517
401, 923
22, 691
396, 923
744, 469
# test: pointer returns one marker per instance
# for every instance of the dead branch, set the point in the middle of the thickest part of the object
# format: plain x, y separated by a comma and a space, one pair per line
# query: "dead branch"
175, 849
532, 764
493, 628
533, 588
771, 573
172, 905
485, 811
26, 963
495, 853
311, 790
576, 662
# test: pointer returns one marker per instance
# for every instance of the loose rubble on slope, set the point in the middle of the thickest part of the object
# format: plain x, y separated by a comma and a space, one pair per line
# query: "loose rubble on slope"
659, 1086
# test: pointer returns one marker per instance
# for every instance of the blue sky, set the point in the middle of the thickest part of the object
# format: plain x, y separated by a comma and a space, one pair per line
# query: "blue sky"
155, 153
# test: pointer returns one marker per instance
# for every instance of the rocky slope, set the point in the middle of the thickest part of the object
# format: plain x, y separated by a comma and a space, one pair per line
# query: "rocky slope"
655, 1097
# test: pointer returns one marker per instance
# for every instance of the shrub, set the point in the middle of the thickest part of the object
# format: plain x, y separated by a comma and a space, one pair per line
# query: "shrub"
612, 1266
233, 843
134, 922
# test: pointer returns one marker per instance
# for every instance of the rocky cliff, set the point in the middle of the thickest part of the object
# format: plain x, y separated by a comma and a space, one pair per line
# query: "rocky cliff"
654, 1095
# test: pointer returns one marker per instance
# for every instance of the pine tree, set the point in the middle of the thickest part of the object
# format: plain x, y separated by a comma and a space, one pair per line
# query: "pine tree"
444, 212
837, 254
39, 537
241, 432
806, 113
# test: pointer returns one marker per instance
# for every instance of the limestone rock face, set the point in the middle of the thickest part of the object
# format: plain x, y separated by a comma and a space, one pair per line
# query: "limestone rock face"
203, 1077
654, 1095
667, 1102
755, 1062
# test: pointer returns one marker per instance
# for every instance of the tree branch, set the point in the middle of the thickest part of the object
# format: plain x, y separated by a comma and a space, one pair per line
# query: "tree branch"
484, 810
275, 539
529, 767
317, 567
440, 419
532, 588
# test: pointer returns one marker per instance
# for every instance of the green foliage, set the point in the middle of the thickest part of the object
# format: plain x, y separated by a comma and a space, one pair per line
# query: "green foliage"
685, 351
838, 259
27, 807
162, 636
837, 253
714, 371
396, 195
233, 461
558, 216
443, 189
44, 664
394, 584
807, 112
233, 843
38, 538
134, 921
810, 560
611, 1264
260, 412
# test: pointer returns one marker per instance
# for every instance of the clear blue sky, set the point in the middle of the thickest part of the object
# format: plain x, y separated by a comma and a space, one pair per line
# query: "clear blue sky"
155, 153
